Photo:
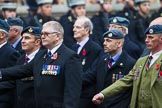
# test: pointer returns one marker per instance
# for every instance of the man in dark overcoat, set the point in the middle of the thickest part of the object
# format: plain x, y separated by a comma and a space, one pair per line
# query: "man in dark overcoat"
8, 57
56, 70
114, 65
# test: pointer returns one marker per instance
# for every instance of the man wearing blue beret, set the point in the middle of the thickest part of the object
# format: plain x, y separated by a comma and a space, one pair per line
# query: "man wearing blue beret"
31, 43
112, 66
8, 57
14, 36
145, 77
129, 46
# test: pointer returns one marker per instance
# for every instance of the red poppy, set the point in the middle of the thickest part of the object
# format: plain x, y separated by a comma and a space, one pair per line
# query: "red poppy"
84, 52
160, 73
55, 56
157, 66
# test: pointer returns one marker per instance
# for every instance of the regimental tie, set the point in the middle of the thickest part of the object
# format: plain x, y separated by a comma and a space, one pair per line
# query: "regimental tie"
26, 59
76, 47
109, 63
148, 63
49, 54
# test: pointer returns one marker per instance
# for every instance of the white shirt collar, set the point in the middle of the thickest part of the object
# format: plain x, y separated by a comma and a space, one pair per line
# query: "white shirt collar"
155, 56
55, 48
82, 43
3, 44
32, 55
17, 41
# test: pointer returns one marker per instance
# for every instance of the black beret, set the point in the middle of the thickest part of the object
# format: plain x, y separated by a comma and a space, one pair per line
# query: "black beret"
119, 21
154, 29
32, 4
4, 25
114, 34
15, 22
32, 30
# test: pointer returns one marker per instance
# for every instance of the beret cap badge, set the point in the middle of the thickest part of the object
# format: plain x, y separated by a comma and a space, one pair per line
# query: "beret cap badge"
30, 30
114, 20
110, 35
151, 31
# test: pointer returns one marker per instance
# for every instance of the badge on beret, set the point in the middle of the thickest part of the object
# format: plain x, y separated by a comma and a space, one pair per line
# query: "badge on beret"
151, 31
40, 20
110, 35
121, 64
114, 20
30, 30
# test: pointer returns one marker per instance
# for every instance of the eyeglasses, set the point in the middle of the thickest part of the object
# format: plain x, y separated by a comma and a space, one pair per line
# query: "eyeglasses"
47, 33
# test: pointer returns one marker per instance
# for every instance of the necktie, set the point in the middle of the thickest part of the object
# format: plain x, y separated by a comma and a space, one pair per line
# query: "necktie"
49, 54
76, 47
110, 60
26, 59
148, 62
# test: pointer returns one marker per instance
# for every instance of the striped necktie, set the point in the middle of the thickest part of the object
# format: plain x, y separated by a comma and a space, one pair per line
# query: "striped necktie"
110, 60
26, 59
148, 63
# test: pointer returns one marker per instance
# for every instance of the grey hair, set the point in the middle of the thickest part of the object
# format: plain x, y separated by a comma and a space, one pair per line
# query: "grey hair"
20, 28
126, 29
55, 25
87, 23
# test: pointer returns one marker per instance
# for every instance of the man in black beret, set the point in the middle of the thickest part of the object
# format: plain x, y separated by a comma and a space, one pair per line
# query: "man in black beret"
8, 57
31, 43
145, 77
114, 65
14, 36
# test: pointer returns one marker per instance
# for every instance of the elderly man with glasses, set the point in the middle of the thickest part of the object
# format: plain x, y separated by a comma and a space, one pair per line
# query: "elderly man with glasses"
56, 70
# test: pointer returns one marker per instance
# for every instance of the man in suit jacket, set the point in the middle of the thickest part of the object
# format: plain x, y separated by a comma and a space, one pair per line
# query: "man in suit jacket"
14, 36
8, 57
31, 43
57, 71
145, 77
77, 8
88, 50
114, 65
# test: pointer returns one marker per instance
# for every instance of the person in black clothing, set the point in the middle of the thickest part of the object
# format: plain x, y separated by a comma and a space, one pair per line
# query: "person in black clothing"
140, 23
89, 51
56, 69
8, 58
128, 11
32, 10
100, 20
110, 67
31, 43
14, 36
77, 8
44, 13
